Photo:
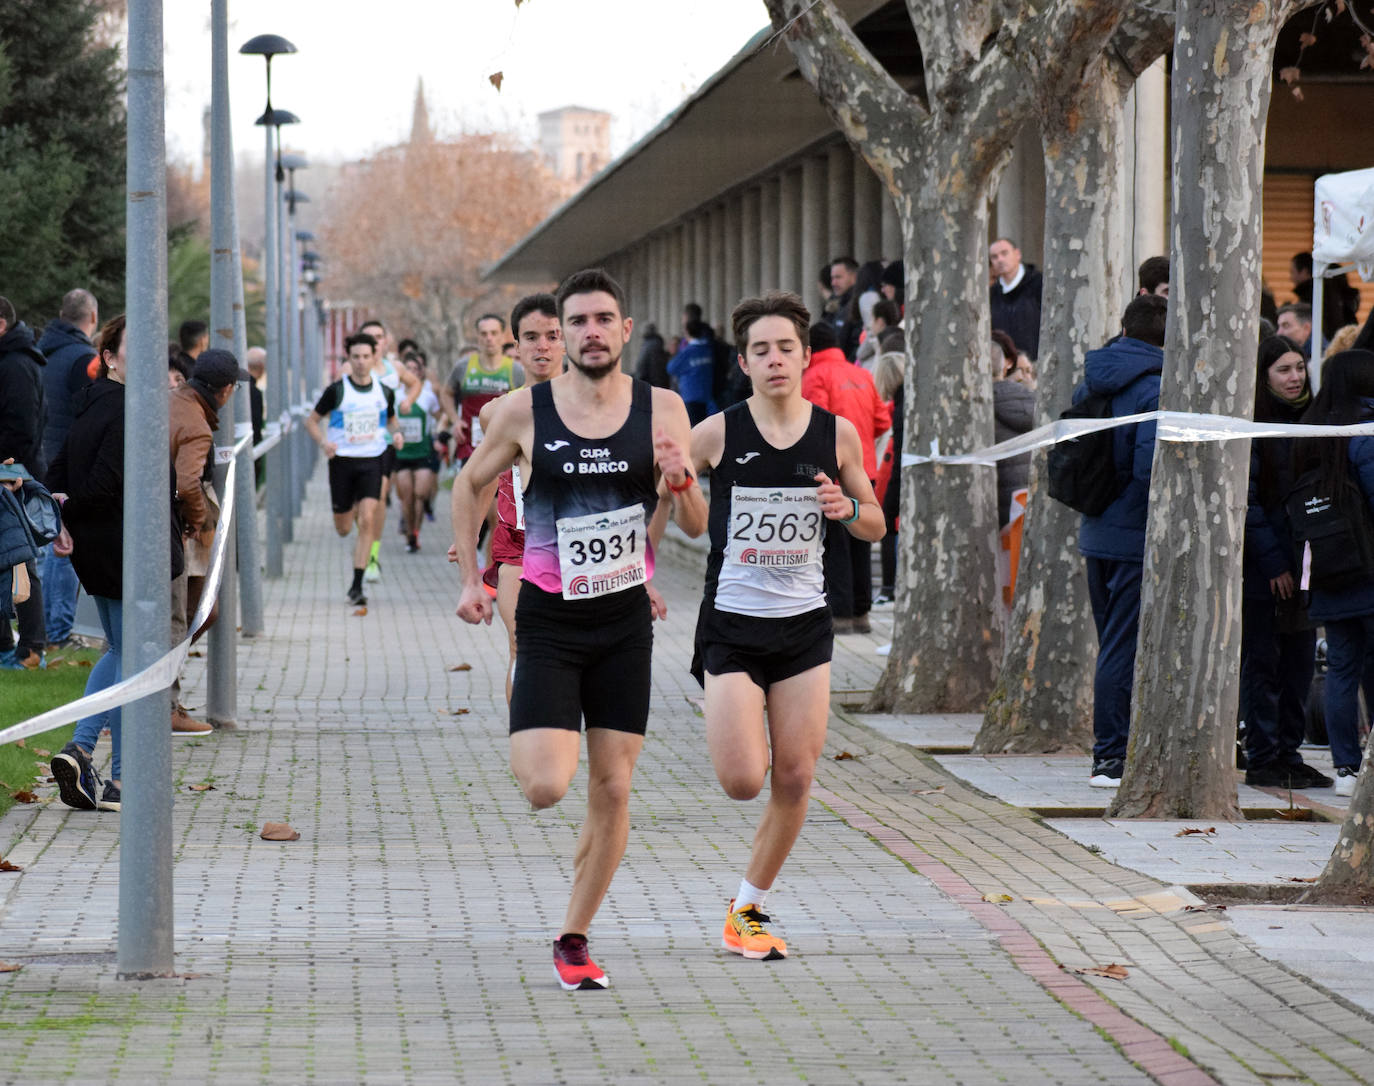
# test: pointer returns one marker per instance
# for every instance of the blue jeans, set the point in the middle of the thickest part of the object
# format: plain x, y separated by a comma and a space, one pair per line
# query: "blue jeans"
59, 594
1114, 589
1275, 676
1348, 643
108, 670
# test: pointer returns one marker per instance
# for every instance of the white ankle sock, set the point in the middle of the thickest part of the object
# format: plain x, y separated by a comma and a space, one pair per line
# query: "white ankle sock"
750, 895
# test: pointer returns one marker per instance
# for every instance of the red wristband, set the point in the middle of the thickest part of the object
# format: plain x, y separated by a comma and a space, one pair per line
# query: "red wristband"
686, 486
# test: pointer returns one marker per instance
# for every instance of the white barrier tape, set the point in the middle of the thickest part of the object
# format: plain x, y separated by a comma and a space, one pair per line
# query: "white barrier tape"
300, 410
161, 673
1172, 426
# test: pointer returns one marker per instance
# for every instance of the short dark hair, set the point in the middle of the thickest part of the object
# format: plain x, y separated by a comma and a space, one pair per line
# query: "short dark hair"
700, 330
533, 303
1144, 319
407, 344
692, 311
77, 305
1301, 310
1303, 261
190, 332
7, 312
1153, 273
372, 322
1004, 237
822, 336
110, 336
490, 317
590, 281
848, 261
888, 310
360, 337
774, 303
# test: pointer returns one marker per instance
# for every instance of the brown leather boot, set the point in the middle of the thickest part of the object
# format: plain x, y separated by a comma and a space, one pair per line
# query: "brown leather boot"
184, 725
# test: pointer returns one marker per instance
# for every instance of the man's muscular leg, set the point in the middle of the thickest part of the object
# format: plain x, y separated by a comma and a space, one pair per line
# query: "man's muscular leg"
611, 757
366, 513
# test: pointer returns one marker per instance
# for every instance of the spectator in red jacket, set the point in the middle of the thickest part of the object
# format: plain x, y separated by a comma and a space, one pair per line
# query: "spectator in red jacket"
833, 382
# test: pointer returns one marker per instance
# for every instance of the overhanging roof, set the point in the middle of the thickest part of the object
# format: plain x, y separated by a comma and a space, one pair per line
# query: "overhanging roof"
754, 112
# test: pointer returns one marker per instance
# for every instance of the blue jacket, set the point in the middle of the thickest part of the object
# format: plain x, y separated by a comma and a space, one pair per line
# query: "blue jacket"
694, 368
1129, 370
68, 351
1356, 599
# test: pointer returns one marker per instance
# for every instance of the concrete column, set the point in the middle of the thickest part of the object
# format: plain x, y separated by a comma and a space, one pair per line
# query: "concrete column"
701, 276
1145, 180
891, 229
770, 219
1020, 210
813, 229
839, 191
734, 272
715, 267
869, 195
672, 281
790, 275
750, 283
653, 249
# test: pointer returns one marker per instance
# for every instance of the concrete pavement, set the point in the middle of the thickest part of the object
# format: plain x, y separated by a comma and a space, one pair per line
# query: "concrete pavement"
406, 936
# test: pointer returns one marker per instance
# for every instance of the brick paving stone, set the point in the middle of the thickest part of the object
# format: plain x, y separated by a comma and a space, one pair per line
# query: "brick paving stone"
406, 936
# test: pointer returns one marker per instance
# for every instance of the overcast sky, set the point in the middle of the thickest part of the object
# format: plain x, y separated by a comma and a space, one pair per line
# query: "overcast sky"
353, 81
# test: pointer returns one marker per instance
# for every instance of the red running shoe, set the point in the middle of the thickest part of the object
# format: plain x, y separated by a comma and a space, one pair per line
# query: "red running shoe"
574, 967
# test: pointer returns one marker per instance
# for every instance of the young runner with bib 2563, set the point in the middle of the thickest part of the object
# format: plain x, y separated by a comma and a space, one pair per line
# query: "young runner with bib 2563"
780, 467
591, 446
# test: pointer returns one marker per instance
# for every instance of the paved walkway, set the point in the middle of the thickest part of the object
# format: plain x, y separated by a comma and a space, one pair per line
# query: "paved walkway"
405, 937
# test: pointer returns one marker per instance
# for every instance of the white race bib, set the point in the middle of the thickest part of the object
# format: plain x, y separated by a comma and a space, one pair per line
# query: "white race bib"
476, 432
779, 527
360, 426
602, 552
412, 429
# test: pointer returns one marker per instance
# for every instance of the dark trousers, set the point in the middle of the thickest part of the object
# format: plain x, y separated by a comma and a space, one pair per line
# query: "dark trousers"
1114, 589
32, 630
848, 572
1275, 675
1349, 642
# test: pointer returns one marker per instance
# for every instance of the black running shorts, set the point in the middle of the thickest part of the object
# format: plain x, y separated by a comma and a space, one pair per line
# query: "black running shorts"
579, 660
768, 650
353, 478
388, 459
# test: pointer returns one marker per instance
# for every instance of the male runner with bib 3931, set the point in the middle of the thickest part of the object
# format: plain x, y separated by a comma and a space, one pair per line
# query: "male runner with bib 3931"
591, 446
361, 413
780, 468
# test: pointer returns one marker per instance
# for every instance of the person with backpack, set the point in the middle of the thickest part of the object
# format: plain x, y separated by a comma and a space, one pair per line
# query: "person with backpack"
1277, 643
1330, 507
1124, 375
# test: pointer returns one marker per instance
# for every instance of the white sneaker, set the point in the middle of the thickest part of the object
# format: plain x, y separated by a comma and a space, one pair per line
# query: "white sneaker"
372, 571
1345, 780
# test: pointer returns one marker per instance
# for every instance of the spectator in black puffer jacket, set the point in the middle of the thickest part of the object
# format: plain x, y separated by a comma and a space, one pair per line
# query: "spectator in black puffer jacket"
21, 439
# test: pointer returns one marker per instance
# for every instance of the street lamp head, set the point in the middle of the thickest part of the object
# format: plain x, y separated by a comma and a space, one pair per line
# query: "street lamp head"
296, 196
304, 235
310, 256
266, 45
294, 162
277, 117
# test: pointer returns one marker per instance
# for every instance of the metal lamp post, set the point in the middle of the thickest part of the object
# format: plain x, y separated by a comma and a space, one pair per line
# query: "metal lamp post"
304, 352
267, 46
291, 340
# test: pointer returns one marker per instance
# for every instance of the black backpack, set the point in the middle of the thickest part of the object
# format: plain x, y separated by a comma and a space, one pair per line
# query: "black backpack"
1082, 472
1334, 523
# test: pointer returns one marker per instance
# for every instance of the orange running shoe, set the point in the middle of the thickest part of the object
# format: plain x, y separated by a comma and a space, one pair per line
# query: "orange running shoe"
744, 934
574, 966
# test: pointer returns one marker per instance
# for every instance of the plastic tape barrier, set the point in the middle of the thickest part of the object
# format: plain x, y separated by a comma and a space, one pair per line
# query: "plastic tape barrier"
160, 674
1172, 426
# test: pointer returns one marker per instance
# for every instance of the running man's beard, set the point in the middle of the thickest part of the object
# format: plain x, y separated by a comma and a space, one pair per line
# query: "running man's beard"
613, 366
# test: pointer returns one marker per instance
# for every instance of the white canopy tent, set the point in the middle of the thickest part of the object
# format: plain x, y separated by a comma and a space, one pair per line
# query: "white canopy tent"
1342, 238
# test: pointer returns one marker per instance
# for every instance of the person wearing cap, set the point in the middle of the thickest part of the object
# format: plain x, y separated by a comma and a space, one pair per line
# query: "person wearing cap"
193, 417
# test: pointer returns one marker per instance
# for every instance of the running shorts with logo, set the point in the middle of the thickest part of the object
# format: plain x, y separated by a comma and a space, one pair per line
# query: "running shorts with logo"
356, 418
764, 611
583, 627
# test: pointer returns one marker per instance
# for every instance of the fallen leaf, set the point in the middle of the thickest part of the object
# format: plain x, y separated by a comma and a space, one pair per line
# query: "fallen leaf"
1290, 75
1190, 831
844, 756
24, 796
58, 662
360, 611
461, 667
43, 753
202, 787
495, 79
10, 967
1298, 878
84, 663
461, 712
19, 743
997, 899
5, 865
1114, 971
195, 652
278, 831
929, 791
1297, 814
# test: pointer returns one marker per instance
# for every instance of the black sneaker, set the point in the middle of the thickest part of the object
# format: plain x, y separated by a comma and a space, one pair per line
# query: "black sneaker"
1312, 776
574, 966
109, 798
1276, 775
76, 778
1107, 773
356, 596
412, 544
